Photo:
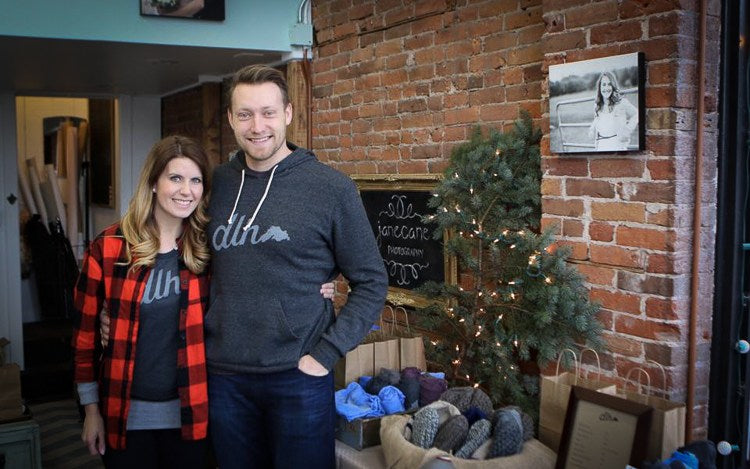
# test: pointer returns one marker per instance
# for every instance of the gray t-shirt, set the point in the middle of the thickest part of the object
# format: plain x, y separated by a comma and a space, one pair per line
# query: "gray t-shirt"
155, 370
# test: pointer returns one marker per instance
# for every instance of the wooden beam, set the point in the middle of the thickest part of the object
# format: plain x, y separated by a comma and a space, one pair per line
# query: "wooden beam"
298, 132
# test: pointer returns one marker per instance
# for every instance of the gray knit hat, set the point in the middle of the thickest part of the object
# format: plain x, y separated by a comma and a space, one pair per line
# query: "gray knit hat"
428, 419
466, 396
451, 434
526, 420
424, 427
507, 435
478, 434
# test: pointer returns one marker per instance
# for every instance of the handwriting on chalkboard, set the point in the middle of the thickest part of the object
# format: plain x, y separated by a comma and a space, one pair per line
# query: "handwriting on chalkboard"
410, 253
401, 209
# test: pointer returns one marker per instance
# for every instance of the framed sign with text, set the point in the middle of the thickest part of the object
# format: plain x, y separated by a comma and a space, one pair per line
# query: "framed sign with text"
396, 206
602, 431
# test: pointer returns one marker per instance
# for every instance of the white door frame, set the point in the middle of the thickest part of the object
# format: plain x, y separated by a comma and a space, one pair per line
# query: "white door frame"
11, 316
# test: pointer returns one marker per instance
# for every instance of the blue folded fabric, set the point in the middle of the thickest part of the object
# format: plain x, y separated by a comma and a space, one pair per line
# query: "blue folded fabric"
353, 402
688, 459
436, 374
392, 400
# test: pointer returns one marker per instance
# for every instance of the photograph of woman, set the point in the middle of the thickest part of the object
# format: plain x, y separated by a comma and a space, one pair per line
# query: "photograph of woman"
596, 105
144, 391
615, 117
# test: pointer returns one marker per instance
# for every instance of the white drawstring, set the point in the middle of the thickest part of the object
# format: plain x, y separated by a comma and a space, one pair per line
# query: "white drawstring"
239, 193
265, 193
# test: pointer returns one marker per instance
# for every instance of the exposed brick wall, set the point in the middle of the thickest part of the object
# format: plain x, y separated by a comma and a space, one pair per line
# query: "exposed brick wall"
397, 83
636, 209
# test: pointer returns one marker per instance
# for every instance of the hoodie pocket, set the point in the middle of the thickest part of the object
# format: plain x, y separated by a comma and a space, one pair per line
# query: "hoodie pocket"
249, 333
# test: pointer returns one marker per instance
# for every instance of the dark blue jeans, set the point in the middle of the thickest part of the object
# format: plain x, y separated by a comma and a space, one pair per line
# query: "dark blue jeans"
279, 420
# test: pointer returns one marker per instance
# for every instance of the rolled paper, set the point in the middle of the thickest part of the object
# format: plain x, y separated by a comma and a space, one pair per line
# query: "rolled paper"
23, 182
36, 190
71, 159
56, 195
49, 200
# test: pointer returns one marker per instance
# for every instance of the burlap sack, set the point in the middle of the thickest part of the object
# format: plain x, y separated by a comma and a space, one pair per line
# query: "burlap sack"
402, 454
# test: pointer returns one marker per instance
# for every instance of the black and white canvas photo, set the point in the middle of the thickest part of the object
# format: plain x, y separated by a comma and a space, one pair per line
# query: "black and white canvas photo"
597, 105
196, 9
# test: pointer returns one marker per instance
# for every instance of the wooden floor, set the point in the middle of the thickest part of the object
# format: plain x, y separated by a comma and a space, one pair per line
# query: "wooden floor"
60, 429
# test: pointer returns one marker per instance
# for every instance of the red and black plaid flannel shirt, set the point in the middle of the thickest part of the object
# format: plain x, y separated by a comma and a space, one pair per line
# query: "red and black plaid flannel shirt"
104, 280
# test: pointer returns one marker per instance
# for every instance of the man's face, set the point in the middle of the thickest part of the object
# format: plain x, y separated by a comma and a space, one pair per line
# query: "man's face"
259, 118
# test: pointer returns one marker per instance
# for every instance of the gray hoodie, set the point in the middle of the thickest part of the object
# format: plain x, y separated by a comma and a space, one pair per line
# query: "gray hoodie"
275, 237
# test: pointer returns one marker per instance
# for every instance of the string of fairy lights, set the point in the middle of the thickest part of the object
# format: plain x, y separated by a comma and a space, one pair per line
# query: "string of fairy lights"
505, 291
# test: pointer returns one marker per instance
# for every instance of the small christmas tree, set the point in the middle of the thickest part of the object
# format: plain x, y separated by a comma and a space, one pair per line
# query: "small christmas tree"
518, 299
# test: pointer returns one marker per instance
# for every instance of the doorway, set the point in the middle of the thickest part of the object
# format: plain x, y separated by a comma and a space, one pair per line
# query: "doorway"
65, 157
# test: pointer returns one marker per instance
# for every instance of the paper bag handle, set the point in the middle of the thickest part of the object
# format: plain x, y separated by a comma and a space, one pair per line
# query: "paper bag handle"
663, 376
406, 318
598, 362
575, 361
643, 371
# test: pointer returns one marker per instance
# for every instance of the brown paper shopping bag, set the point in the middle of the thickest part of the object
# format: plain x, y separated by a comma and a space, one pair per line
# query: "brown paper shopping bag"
411, 345
357, 362
668, 420
385, 351
554, 395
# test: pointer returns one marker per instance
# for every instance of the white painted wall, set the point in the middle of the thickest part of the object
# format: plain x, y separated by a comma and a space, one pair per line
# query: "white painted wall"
10, 273
139, 129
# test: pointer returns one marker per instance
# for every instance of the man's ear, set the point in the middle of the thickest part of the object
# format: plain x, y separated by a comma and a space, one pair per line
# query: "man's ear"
288, 112
229, 117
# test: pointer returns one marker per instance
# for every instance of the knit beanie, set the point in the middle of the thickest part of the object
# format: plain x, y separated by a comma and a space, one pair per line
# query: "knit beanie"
451, 434
507, 435
467, 396
410, 388
526, 421
424, 427
410, 372
375, 385
479, 432
430, 389
389, 375
428, 419
385, 377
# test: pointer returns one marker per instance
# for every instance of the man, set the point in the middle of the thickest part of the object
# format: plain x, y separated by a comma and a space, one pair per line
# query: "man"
282, 224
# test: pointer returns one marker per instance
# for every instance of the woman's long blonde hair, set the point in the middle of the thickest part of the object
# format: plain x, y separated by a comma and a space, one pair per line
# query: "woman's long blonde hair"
139, 226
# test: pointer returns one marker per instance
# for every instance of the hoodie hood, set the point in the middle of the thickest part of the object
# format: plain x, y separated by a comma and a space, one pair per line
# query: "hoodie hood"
238, 163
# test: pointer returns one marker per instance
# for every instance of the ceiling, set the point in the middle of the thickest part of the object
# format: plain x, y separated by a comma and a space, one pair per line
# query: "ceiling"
62, 67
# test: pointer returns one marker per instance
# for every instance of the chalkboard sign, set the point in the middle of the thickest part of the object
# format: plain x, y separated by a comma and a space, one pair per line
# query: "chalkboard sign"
395, 206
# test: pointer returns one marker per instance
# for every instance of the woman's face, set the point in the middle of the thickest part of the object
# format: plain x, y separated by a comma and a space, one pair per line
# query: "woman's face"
178, 190
605, 87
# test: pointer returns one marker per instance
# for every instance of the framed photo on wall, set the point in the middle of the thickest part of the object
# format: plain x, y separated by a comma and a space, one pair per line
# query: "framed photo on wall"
598, 105
196, 9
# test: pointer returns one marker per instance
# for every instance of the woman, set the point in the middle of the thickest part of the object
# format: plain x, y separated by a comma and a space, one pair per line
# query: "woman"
145, 398
614, 117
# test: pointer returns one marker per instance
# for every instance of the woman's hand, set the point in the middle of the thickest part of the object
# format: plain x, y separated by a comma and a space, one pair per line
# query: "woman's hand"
327, 290
93, 430
104, 327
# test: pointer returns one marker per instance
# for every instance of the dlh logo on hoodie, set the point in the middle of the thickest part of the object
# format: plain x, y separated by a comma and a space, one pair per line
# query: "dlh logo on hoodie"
232, 234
